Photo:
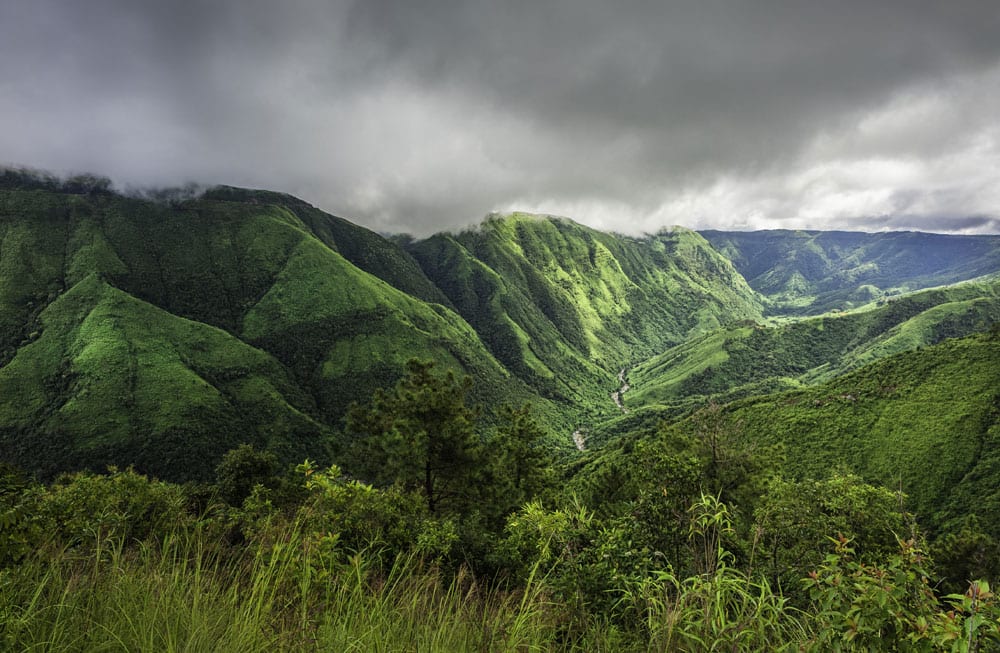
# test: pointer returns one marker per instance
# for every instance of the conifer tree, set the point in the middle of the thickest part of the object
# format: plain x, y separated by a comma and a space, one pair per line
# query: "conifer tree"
420, 435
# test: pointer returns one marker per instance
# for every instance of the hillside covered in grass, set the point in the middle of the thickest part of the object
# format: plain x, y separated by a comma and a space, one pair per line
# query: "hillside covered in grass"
811, 272
565, 307
925, 421
165, 333
921, 422
757, 358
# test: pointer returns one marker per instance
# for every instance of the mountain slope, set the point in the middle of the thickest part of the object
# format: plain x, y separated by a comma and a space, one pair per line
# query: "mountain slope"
163, 333
809, 272
161, 290
564, 306
112, 378
925, 421
363, 248
753, 359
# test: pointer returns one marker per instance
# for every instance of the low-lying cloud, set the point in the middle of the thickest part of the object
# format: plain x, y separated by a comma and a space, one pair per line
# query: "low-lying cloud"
426, 116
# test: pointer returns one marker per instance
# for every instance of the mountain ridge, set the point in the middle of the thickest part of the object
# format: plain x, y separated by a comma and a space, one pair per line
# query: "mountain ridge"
526, 280
811, 272
260, 318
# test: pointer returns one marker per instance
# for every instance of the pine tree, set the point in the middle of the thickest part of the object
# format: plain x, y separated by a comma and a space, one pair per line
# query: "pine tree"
420, 435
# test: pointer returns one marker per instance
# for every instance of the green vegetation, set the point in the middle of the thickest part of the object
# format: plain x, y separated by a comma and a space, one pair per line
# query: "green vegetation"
752, 359
163, 333
810, 272
924, 421
121, 561
565, 307
758, 481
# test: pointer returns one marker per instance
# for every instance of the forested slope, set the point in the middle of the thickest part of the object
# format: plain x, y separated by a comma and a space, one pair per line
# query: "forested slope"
163, 333
810, 272
757, 358
925, 421
565, 306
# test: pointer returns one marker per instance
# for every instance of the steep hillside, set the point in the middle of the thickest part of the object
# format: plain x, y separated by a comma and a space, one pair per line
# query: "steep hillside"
926, 422
109, 378
565, 307
754, 359
365, 249
163, 333
810, 272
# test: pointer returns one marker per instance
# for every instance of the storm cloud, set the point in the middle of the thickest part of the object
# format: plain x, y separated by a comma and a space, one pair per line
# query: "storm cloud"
422, 116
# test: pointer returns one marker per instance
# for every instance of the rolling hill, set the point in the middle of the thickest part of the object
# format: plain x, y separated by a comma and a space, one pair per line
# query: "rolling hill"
925, 421
922, 422
565, 307
810, 272
162, 334
755, 359
162, 331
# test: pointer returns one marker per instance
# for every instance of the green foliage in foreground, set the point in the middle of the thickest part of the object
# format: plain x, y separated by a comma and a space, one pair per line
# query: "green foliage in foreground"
688, 541
302, 579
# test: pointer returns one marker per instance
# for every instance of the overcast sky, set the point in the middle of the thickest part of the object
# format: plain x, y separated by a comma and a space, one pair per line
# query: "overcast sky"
419, 116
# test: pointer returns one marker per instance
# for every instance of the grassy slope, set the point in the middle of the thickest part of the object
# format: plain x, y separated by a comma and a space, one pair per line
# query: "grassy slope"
341, 330
363, 248
923, 420
165, 333
104, 299
112, 378
808, 272
751, 359
565, 307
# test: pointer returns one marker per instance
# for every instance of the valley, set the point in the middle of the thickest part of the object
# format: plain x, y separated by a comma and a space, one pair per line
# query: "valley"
262, 319
610, 419
467, 327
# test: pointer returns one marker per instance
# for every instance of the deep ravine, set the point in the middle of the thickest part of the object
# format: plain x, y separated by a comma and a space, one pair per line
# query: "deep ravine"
617, 395
579, 439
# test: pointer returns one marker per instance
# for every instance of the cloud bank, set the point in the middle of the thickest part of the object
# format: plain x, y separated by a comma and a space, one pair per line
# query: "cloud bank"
425, 116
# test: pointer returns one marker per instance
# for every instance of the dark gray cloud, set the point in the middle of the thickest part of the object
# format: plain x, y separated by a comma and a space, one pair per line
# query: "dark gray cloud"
423, 116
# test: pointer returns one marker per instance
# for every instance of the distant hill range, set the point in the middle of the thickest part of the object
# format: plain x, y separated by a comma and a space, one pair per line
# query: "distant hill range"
163, 331
809, 272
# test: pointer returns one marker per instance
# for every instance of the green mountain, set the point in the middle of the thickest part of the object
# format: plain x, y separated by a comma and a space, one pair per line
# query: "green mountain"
756, 359
565, 307
810, 272
111, 378
164, 333
925, 421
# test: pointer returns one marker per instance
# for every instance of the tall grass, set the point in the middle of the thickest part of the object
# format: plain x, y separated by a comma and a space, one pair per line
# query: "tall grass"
724, 608
169, 596
179, 594
296, 591
724, 611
